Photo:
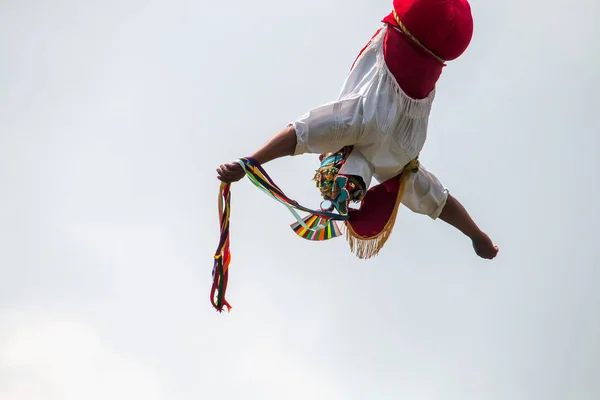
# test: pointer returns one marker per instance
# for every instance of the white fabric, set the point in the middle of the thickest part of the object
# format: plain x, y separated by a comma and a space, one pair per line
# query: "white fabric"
386, 127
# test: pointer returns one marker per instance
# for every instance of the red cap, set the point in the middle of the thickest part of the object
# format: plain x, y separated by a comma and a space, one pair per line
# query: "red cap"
443, 26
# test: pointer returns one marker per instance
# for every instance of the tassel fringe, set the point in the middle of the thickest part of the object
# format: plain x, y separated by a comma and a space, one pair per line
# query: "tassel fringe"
369, 247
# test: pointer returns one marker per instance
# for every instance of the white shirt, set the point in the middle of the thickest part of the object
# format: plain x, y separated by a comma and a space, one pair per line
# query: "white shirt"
386, 127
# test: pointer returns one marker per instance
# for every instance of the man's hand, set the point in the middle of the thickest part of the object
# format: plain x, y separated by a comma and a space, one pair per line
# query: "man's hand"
484, 247
280, 145
229, 173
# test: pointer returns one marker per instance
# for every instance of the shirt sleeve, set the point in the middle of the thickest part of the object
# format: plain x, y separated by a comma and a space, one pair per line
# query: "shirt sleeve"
424, 194
328, 128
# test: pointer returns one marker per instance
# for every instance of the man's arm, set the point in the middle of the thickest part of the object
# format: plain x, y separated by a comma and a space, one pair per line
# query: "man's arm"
280, 145
456, 215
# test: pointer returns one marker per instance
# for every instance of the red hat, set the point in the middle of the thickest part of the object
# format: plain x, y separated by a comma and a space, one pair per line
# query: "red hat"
445, 27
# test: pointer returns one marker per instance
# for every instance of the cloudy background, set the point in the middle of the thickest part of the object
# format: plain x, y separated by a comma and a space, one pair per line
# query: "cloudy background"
113, 117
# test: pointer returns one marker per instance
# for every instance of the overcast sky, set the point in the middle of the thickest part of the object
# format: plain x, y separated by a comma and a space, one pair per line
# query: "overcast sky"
114, 115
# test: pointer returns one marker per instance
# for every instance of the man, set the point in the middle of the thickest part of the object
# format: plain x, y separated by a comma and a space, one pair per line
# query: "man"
378, 126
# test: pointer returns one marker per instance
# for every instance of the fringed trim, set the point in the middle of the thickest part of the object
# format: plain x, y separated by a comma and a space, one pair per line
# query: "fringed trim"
368, 247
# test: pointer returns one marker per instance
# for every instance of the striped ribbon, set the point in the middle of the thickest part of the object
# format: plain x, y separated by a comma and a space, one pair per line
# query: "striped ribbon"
259, 177
319, 225
222, 256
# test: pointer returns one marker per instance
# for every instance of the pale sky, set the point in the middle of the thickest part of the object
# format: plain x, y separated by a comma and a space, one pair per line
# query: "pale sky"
113, 117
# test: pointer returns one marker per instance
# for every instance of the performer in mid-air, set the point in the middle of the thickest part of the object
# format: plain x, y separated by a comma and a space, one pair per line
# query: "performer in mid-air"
377, 128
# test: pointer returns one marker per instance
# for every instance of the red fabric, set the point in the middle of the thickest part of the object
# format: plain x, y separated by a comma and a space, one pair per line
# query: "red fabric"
443, 26
375, 209
415, 71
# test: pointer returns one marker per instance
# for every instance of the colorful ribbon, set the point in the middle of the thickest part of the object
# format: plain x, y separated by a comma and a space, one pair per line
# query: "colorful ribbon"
259, 177
220, 271
318, 225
